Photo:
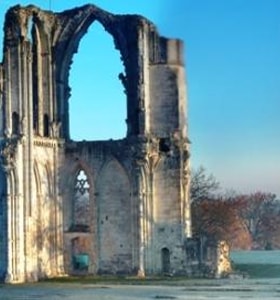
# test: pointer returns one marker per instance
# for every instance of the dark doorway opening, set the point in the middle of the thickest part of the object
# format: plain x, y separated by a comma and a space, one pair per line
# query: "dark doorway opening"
165, 259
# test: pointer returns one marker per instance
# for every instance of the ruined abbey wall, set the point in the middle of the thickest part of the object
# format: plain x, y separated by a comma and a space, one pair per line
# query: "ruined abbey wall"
91, 207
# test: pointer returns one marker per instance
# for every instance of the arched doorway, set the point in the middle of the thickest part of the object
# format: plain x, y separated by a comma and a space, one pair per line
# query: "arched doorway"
165, 260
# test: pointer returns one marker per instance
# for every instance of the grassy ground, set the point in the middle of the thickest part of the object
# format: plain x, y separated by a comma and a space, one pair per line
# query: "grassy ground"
134, 280
259, 270
253, 271
119, 280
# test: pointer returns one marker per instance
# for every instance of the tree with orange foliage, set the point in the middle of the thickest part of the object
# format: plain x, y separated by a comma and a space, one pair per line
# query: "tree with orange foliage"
219, 220
244, 221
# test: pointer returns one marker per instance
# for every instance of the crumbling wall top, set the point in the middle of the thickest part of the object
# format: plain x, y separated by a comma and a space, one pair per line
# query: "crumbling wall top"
17, 18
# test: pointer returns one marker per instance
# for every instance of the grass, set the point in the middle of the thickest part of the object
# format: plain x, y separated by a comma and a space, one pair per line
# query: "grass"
254, 271
128, 280
259, 270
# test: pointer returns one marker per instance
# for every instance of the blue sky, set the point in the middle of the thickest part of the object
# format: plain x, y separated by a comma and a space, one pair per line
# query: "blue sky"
232, 54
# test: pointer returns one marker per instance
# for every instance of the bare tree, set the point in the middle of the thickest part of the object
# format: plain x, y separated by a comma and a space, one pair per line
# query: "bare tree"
261, 214
244, 220
203, 186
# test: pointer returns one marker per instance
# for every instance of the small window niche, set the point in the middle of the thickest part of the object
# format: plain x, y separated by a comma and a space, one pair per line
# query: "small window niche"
46, 125
15, 123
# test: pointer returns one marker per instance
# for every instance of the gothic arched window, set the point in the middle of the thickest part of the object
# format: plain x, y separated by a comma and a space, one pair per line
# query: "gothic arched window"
81, 213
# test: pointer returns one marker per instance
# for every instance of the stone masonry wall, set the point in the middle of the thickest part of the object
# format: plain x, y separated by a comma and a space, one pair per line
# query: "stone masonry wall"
136, 213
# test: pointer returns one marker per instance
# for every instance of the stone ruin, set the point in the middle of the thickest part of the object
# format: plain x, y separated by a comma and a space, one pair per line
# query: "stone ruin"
91, 207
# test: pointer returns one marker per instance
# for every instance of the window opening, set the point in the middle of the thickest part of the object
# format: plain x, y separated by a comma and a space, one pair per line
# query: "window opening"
192, 251
35, 89
29, 29
35, 109
98, 103
15, 123
46, 125
81, 217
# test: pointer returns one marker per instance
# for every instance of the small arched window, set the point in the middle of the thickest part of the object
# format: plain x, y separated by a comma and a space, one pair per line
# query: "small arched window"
81, 211
15, 123
46, 125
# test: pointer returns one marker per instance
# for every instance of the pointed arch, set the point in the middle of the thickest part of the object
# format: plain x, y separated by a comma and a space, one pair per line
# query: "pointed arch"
79, 200
82, 165
81, 216
41, 70
100, 97
126, 39
69, 41
88, 15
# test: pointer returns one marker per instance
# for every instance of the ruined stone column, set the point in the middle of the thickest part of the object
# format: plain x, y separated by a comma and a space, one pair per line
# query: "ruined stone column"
141, 258
10, 230
141, 271
58, 211
15, 255
144, 94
